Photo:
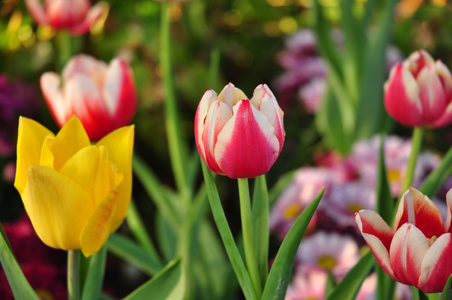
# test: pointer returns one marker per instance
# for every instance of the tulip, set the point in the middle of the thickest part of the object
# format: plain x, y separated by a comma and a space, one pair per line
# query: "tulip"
77, 16
75, 193
417, 250
102, 96
418, 92
236, 136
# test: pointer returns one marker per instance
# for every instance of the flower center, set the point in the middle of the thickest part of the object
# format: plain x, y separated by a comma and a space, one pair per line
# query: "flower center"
292, 211
432, 240
354, 207
327, 262
393, 175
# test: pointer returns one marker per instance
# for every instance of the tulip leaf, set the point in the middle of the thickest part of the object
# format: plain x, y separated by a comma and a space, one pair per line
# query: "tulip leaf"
139, 231
92, 287
351, 283
436, 179
418, 294
19, 285
226, 235
385, 201
280, 186
261, 229
168, 284
447, 293
281, 271
134, 253
166, 237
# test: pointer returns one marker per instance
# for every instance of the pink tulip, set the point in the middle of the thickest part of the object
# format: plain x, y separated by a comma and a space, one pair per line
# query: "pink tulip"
417, 250
419, 92
102, 96
238, 137
74, 15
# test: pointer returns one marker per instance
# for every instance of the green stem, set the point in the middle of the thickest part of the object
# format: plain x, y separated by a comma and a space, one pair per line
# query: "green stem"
416, 143
226, 236
248, 237
73, 275
65, 47
177, 149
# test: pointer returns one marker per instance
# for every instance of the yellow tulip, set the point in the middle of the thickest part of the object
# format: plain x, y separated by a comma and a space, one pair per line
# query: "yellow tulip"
75, 193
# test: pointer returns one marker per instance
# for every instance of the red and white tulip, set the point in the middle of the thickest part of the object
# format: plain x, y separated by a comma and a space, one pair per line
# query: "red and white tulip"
419, 92
416, 251
77, 16
102, 96
236, 136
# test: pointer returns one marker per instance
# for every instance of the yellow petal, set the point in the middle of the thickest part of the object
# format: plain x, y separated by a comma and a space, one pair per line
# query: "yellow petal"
31, 136
99, 225
119, 144
71, 138
92, 170
58, 207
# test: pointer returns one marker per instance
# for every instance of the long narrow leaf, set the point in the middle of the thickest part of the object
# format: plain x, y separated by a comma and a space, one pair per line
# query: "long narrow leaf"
19, 285
436, 179
350, 284
167, 285
261, 227
92, 287
385, 201
226, 236
139, 231
132, 252
447, 293
281, 271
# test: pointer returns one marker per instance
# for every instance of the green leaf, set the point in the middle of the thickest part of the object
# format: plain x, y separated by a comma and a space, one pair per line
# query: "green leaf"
261, 229
166, 237
281, 271
19, 285
280, 186
418, 294
167, 285
134, 253
447, 294
139, 231
385, 201
436, 179
350, 284
92, 287
225, 232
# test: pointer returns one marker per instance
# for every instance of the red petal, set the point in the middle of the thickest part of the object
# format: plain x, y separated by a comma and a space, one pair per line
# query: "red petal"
437, 265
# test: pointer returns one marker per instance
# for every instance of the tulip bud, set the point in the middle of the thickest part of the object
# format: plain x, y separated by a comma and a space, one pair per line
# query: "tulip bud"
77, 16
102, 96
419, 92
236, 136
75, 193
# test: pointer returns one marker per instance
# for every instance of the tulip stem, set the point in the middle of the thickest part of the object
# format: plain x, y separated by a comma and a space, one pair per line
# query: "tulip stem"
73, 275
248, 237
65, 47
416, 143
177, 149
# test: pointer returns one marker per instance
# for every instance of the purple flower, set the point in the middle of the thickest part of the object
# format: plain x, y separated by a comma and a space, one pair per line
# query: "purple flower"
16, 99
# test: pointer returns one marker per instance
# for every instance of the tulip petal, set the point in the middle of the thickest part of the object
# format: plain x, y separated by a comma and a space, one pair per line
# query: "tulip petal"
87, 65
94, 14
200, 118
431, 94
378, 236
407, 252
218, 115
99, 225
247, 145
31, 136
88, 104
402, 97
437, 265
447, 226
231, 95
119, 144
69, 140
446, 117
37, 12
50, 86
426, 215
65, 14
92, 170
270, 108
58, 208
119, 93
